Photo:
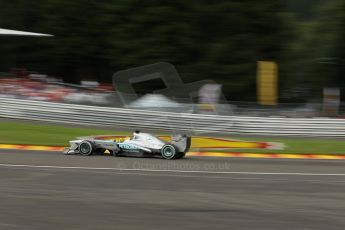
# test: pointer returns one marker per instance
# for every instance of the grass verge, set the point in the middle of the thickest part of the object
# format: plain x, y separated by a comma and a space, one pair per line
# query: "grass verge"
42, 134
300, 145
55, 135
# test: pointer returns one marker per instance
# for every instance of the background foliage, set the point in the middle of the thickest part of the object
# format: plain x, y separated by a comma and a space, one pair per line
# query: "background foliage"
219, 40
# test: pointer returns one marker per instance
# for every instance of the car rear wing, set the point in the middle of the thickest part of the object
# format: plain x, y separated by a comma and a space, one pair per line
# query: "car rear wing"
181, 142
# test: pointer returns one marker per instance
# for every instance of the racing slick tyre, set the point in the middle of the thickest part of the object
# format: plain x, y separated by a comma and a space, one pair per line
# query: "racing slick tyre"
85, 148
168, 152
180, 155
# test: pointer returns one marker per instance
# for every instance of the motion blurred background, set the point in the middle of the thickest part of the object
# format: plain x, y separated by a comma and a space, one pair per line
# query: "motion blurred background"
282, 57
258, 85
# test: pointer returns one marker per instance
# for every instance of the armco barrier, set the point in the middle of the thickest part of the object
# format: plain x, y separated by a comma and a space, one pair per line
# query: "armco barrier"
196, 123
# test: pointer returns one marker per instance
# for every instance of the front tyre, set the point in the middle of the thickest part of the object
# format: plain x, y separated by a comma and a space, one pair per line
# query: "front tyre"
85, 148
168, 152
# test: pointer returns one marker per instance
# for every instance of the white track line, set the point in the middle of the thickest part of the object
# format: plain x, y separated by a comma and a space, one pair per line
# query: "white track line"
173, 171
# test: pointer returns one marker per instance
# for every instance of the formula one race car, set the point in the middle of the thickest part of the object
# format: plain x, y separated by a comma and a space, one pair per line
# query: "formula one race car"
140, 144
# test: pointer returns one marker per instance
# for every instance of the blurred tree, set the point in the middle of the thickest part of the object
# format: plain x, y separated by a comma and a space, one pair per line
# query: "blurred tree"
336, 48
205, 39
219, 40
315, 58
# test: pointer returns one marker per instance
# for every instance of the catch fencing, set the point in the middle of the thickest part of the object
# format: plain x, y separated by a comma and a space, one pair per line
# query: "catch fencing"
180, 122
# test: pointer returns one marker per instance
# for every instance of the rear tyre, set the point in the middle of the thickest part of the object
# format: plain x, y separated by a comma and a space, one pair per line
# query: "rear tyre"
168, 152
85, 148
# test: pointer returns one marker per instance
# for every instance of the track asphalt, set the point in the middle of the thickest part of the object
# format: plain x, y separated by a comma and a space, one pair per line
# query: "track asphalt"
48, 190
203, 153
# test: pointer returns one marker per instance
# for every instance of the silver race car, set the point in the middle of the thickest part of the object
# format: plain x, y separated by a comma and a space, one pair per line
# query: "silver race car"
140, 144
